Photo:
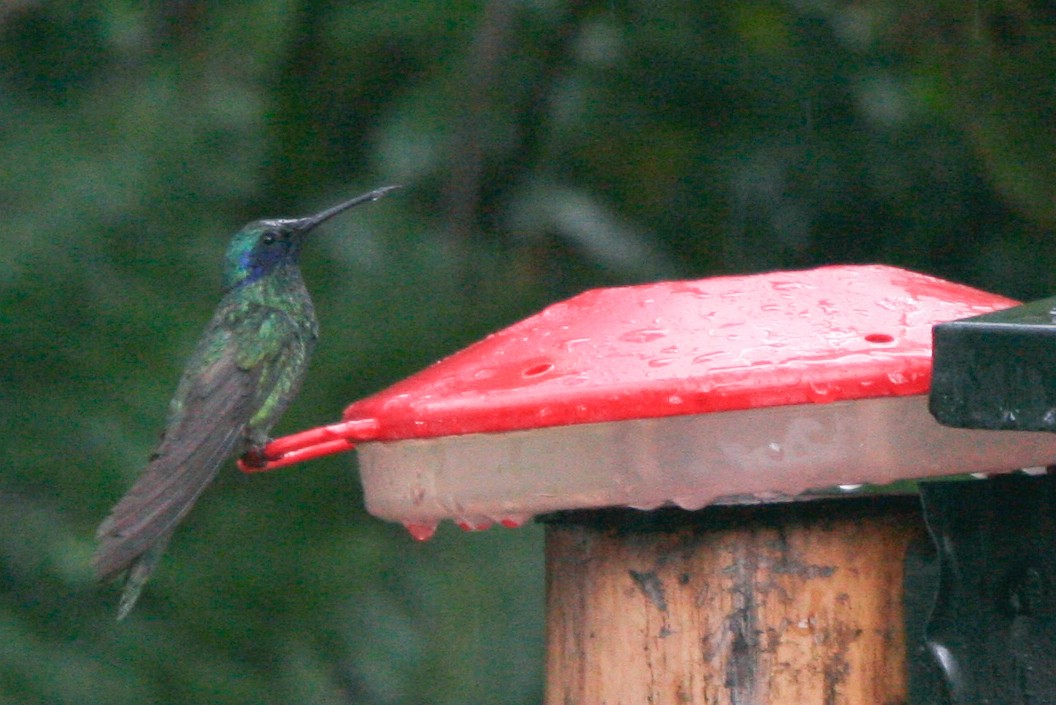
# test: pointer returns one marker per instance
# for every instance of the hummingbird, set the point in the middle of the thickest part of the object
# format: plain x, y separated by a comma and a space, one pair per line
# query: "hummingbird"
245, 370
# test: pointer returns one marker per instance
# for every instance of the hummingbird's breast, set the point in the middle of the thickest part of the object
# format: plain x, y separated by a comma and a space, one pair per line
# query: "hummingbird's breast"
285, 344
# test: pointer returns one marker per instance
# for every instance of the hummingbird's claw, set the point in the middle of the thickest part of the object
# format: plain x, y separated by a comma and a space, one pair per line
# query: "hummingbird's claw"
255, 457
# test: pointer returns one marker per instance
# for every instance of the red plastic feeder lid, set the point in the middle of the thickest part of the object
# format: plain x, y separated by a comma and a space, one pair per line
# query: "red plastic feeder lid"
687, 392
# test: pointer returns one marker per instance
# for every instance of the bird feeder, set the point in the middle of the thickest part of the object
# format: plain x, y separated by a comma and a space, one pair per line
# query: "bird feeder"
750, 415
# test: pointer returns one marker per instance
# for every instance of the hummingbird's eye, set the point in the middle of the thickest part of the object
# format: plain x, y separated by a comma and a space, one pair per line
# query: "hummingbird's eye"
269, 238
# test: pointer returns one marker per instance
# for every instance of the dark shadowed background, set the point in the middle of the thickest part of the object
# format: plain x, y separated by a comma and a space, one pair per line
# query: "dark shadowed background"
546, 147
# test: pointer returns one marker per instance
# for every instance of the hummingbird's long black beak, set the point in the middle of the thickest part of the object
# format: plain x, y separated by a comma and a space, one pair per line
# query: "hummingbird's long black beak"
303, 225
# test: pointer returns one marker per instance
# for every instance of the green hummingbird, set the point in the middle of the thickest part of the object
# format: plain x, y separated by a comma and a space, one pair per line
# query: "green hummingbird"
246, 369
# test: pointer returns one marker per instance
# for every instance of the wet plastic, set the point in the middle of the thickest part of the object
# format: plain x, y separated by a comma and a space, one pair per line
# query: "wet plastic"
746, 388
749, 456
688, 347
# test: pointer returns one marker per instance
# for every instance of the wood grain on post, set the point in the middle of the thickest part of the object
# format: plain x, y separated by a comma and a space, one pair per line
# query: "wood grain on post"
793, 604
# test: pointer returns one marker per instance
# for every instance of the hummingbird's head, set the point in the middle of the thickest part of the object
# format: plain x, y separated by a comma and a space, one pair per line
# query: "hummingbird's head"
259, 249
264, 246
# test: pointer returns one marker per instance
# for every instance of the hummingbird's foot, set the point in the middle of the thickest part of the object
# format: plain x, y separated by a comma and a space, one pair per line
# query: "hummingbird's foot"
255, 457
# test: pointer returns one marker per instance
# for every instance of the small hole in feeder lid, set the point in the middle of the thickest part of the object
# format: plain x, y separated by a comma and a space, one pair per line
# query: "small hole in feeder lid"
879, 338
536, 370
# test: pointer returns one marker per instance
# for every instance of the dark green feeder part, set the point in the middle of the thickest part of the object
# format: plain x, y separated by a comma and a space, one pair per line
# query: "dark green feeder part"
997, 371
991, 628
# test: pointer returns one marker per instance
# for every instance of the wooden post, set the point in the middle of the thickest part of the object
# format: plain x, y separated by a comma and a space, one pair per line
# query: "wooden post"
791, 603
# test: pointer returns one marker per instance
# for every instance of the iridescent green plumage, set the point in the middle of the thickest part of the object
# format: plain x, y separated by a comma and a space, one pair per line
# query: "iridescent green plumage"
247, 368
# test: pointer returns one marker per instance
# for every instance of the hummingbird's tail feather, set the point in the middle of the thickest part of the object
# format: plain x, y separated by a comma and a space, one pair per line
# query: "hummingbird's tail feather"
138, 528
138, 573
205, 429
149, 512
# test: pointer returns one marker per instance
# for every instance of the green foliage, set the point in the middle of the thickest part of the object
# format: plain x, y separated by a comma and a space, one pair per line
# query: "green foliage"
545, 148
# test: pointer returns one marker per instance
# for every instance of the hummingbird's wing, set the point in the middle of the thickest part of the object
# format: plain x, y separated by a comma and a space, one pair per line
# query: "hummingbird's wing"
216, 399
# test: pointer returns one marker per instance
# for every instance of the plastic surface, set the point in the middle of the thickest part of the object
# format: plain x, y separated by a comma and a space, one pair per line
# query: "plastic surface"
753, 455
997, 371
677, 348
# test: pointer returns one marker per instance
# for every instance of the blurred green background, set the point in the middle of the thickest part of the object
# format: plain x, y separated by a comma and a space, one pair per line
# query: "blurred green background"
545, 147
